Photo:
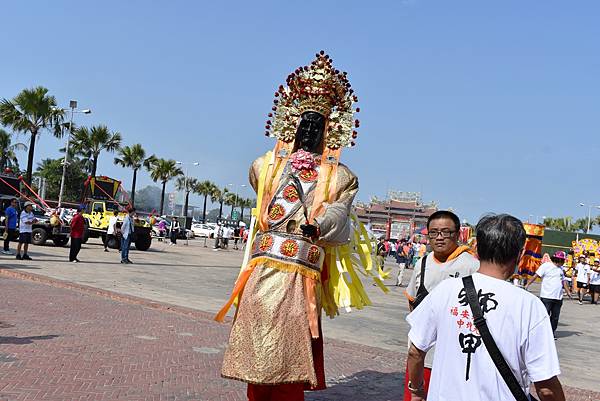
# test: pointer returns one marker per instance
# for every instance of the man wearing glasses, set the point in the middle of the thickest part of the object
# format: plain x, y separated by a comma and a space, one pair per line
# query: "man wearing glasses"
446, 260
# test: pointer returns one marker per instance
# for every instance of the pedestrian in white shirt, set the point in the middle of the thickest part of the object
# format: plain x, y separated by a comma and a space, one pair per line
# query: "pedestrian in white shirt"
583, 272
517, 321
26, 222
594, 281
111, 230
553, 284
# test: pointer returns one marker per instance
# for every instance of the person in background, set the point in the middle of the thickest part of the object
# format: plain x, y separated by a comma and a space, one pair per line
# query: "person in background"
401, 259
77, 229
162, 229
236, 237
127, 229
392, 249
174, 229
26, 221
381, 252
112, 226
594, 281
517, 321
583, 272
10, 225
553, 283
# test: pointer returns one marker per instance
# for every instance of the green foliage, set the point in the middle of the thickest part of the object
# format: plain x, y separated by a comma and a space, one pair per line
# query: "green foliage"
31, 112
568, 224
90, 142
8, 157
134, 157
163, 170
51, 171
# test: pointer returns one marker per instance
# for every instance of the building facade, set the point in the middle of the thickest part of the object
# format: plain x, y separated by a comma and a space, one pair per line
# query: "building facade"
400, 215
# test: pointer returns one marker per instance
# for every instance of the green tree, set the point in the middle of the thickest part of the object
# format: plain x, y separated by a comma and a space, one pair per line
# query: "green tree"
186, 184
8, 157
32, 111
134, 157
90, 142
51, 171
205, 189
218, 195
164, 170
231, 199
246, 204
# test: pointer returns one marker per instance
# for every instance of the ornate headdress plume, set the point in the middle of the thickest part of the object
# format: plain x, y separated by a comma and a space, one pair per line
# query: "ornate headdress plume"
321, 88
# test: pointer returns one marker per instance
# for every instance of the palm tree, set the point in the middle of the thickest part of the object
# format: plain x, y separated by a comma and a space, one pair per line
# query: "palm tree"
134, 157
32, 111
218, 195
164, 170
90, 142
186, 184
246, 204
231, 199
8, 157
205, 189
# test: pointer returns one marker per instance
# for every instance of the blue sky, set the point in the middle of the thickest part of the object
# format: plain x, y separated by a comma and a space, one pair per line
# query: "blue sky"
482, 106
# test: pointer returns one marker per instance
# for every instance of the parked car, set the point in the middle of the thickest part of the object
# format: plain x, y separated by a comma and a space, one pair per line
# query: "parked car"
204, 230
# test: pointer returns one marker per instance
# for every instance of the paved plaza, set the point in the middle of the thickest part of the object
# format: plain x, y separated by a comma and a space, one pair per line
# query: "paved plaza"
99, 330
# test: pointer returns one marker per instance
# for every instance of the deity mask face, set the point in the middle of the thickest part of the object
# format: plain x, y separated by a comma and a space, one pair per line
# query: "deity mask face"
310, 132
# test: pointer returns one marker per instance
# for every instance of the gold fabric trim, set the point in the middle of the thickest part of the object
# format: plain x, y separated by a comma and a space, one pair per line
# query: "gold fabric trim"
287, 267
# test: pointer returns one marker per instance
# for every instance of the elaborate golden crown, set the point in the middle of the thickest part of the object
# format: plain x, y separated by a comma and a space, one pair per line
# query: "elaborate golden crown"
321, 88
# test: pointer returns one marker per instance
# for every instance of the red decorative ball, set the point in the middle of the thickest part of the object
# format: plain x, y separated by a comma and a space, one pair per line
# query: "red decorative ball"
274, 108
354, 134
270, 114
357, 110
357, 123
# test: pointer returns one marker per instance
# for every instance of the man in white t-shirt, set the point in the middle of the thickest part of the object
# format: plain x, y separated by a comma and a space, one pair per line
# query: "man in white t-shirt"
594, 281
553, 284
517, 320
110, 231
26, 222
447, 260
583, 272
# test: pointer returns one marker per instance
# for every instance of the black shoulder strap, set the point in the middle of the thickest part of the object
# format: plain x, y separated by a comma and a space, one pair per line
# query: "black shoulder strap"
490, 344
422, 283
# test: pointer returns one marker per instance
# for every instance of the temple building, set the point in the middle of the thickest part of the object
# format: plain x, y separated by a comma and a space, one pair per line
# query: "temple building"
400, 215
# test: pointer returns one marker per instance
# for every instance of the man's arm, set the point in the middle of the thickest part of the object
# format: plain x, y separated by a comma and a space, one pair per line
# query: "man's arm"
549, 390
416, 366
531, 280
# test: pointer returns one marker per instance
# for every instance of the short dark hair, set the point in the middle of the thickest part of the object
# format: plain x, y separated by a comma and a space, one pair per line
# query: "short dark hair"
500, 238
444, 214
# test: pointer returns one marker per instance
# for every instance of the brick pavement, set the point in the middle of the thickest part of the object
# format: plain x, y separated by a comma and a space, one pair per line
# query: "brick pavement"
65, 341
67, 344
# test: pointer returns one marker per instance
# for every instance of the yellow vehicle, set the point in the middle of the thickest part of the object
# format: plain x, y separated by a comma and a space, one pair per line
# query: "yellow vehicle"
101, 204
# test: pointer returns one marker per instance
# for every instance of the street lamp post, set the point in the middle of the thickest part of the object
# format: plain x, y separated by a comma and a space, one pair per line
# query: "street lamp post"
185, 188
589, 214
235, 186
72, 106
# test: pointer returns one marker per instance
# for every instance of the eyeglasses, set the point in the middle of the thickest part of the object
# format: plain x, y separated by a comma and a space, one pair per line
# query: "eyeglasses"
445, 234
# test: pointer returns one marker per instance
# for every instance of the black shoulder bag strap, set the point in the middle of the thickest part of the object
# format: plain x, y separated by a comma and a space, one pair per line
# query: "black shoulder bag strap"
421, 291
490, 344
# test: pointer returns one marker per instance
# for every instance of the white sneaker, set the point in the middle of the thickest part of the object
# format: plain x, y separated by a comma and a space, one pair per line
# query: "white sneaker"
6, 252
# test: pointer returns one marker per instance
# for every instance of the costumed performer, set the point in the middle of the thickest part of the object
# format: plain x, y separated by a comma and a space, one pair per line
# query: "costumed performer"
301, 238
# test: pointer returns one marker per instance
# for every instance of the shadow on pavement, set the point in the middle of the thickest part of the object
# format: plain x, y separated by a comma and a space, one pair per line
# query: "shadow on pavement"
366, 385
25, 340
566, 333
17, 266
